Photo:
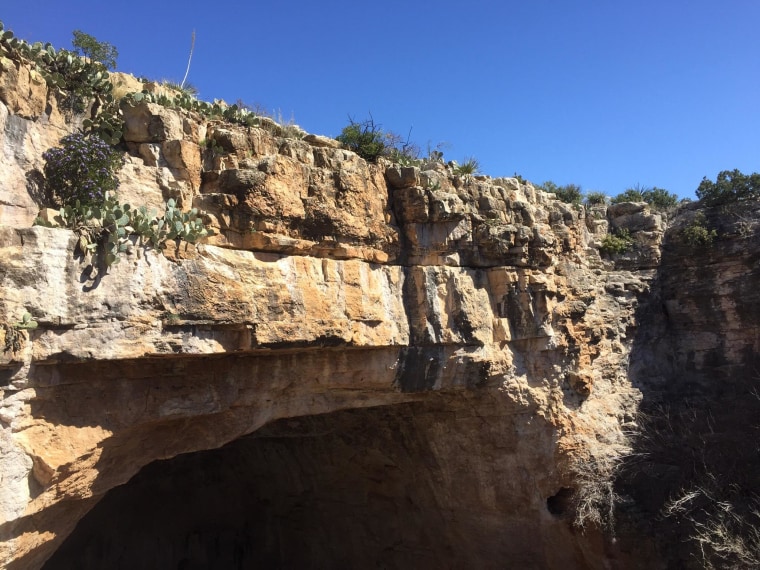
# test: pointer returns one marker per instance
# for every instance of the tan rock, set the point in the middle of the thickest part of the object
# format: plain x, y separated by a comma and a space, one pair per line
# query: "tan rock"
139, 185
22, 191
150, 122
124, 83
185, 158
51, 216
322, 141
402, 176
22, 89
468, 325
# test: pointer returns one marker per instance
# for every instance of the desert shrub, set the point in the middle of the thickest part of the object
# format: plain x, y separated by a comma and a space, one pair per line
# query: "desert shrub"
366, 139
82, 174
569, 193
469, 167
402, 150
724, 525
617, 242
710, 505
75, 81
371, 142
82, 169
218, 110
630, 195
729, 186
595, 198
697, 232
658, 198
594, 498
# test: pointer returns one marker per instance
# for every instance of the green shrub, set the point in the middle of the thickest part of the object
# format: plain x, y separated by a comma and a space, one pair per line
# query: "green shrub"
84, 169
630, 195
365, 139
657, 198
697, 232
370, 142
92, 49
730, 186
595, 198
617, 242
569, 193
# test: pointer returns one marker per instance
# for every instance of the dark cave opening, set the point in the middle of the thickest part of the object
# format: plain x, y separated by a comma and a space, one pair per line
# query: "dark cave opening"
386, 487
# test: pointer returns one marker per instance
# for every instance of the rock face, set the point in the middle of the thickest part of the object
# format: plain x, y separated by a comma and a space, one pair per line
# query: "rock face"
367, 365
695, 358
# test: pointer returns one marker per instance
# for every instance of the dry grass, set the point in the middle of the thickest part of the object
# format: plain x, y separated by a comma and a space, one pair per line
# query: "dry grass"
595, 497
727, 534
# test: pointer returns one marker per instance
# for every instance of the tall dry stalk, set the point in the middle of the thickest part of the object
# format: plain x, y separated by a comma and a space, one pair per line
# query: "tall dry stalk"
189, 59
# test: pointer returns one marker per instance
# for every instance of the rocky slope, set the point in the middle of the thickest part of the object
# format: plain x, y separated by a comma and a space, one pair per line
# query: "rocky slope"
366, 365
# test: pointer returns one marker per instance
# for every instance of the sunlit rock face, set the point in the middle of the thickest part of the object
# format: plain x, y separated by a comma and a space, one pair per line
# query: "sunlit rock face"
367, 365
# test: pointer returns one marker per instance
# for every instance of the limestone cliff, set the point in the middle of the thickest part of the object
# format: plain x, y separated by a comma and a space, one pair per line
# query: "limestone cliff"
416, 369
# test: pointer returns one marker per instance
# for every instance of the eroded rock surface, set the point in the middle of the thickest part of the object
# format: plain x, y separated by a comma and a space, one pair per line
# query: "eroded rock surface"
475, 315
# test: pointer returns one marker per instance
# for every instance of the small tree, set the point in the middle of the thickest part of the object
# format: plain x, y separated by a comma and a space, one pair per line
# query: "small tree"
730, 186
92, 49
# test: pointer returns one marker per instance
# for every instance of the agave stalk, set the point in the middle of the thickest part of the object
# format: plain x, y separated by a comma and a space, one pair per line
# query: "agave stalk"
189, 59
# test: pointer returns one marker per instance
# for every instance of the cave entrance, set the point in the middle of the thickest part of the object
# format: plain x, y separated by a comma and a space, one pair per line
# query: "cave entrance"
330, 491
386, 487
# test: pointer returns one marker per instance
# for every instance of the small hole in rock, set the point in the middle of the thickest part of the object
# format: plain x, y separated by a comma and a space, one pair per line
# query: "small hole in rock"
559, 503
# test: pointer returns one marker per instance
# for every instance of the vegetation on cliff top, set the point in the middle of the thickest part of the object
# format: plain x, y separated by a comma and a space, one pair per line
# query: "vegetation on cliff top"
94, 50
729, 186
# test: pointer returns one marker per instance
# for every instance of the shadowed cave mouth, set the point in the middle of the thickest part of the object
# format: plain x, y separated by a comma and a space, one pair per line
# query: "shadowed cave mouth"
350, 489
386, 487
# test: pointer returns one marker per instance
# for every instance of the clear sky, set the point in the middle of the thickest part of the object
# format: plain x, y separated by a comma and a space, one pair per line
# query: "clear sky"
606, 94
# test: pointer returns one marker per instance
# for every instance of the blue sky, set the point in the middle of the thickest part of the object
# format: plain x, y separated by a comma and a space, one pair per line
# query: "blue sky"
601, 93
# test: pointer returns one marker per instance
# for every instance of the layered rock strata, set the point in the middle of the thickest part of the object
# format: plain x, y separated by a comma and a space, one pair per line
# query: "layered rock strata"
475, 314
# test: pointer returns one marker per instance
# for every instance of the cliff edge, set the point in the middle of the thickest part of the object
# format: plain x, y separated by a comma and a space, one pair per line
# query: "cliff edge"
365, 364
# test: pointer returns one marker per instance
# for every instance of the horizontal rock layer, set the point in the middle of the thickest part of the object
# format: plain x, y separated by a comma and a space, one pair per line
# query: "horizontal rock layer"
331, 285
